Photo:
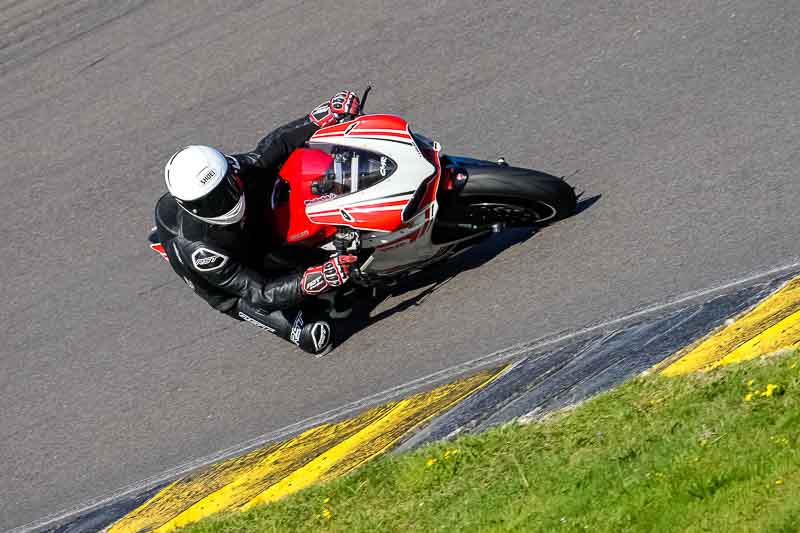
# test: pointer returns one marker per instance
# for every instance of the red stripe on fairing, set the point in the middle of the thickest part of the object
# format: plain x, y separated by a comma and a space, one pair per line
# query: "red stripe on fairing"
358, 132
380, 220
335, 129
380, 204
376, 221
370, 210
352, 206
411, 237
332, 134
375, 136
331, 218
378, 133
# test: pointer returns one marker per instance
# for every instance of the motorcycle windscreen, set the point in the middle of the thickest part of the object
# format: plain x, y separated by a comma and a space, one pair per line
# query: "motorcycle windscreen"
353, 170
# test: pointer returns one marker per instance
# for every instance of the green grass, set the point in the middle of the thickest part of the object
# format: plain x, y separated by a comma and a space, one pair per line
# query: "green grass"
656, 454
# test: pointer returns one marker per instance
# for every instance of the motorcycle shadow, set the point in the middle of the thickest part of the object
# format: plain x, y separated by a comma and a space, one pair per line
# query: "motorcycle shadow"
424, 283
585, 203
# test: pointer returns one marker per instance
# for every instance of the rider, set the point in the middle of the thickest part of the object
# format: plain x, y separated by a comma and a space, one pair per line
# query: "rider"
213, 227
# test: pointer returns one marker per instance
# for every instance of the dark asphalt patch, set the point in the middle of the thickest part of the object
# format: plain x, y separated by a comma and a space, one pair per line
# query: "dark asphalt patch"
103, 516
568, 373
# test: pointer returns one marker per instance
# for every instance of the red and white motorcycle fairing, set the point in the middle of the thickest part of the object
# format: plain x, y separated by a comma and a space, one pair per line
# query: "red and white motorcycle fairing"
393, 215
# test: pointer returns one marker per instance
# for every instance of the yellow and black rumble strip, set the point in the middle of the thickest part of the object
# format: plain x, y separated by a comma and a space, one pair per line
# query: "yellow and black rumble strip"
319, 454
745, 320
771, 326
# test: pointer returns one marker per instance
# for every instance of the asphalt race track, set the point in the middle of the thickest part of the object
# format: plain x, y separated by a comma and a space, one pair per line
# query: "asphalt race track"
679, 120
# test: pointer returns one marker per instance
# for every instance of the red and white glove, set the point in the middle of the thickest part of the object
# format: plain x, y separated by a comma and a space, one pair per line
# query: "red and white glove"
333, 273
330, 112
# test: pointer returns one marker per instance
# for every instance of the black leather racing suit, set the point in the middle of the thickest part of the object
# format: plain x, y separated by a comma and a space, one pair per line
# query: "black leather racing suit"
238, 269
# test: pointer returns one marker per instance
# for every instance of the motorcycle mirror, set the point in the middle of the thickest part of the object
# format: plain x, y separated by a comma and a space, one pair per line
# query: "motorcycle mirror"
364, 98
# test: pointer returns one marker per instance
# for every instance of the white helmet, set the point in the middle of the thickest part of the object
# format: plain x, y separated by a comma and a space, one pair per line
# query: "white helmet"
205, 185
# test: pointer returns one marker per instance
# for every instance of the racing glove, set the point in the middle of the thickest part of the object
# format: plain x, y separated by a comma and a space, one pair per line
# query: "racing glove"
327, 113
330, 275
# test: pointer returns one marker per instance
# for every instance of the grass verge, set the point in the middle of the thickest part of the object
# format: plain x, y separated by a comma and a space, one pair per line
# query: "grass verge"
705, 452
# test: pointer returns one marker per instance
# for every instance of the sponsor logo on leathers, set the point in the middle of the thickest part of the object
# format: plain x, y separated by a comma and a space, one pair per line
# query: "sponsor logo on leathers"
255, 322
297, 328
314, 281
206, 260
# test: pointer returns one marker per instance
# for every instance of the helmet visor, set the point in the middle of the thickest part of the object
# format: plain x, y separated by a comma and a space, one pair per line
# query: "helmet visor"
221, 200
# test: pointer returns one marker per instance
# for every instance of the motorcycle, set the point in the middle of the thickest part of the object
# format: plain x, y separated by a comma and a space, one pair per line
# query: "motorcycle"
371, 187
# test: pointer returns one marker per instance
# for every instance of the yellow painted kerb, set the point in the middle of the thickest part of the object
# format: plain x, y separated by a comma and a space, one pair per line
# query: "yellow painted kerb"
772, 325
319, 454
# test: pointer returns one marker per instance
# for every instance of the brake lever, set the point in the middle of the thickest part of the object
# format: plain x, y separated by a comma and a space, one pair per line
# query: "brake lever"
347, 117
364, 98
